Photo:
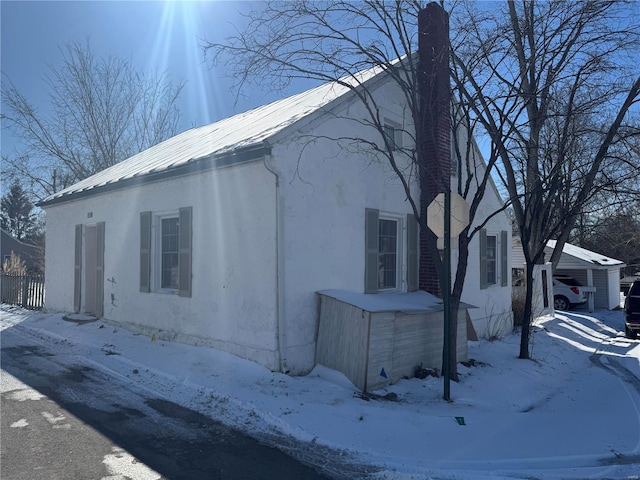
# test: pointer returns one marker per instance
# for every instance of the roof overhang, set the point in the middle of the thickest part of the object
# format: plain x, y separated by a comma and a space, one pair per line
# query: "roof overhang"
198, 165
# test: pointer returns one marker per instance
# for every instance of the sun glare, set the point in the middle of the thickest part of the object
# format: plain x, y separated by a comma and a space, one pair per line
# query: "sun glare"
177, 49
205, 99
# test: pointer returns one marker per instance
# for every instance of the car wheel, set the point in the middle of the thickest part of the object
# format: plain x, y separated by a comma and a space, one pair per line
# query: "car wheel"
561, 303
629, 333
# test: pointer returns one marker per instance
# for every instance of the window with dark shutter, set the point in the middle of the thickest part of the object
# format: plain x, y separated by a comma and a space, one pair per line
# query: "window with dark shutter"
412, 253
504, 258
483, 258
371, 250
185, 245
77, 273
393, 135
100, 270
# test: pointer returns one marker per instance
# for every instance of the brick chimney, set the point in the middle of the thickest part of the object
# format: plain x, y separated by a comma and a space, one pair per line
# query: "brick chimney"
434, 130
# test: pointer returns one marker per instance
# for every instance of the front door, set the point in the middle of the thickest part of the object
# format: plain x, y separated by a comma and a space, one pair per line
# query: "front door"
89, 269
90, 272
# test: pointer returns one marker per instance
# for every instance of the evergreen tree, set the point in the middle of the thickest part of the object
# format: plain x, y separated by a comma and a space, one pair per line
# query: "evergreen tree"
16, 214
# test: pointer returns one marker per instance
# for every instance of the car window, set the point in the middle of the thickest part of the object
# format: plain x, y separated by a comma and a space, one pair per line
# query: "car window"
572, 282
635, 288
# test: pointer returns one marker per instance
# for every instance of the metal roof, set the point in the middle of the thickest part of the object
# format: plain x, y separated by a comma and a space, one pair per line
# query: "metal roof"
219, 142
585, 256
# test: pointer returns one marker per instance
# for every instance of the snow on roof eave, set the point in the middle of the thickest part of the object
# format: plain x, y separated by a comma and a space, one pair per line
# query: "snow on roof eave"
586, 257
209, 162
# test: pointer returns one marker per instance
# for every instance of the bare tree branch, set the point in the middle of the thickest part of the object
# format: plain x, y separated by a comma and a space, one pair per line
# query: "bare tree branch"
102, 111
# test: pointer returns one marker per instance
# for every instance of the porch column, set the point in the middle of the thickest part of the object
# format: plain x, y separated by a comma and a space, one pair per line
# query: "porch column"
591, 292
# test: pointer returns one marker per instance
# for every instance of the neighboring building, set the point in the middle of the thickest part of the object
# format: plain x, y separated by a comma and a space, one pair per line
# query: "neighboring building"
32, 255
589, 268
223, 235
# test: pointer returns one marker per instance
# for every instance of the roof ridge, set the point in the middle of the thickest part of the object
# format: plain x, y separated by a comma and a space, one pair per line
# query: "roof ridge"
223, 136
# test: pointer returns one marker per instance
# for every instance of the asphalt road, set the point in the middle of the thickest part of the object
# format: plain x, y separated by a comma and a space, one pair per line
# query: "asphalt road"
65, 420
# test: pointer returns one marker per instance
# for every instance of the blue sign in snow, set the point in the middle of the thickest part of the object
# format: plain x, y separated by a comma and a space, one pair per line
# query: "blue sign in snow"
383, 373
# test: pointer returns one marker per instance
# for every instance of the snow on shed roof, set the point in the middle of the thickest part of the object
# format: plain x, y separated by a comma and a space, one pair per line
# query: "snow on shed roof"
225, 137
585, 255
405, 302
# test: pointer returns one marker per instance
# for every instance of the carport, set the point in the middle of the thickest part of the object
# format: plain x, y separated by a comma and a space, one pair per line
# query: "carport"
591, 269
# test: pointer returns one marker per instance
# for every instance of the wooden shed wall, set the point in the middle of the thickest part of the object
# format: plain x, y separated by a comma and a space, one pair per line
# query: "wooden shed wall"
381, 349
356, 342
342, 342
416, 340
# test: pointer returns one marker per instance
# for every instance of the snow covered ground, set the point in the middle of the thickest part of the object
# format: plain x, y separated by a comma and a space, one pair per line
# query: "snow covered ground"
572, 412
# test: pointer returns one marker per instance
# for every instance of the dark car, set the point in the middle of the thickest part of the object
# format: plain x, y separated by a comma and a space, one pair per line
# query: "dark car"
632, 311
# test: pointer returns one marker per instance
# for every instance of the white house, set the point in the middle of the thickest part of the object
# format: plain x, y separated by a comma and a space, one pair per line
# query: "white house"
222, 235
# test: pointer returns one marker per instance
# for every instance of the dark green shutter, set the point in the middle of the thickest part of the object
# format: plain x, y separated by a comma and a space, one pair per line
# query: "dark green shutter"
145, 252
100, 270
77, 272
371, 250
483, 258
184, 253
504, 255
412, 253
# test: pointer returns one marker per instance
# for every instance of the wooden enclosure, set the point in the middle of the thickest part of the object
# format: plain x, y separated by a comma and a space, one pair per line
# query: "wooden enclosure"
369, 336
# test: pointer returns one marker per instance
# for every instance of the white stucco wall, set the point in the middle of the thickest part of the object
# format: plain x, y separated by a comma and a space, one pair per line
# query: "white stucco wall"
493, 315
326, 187
233, 260
318, 228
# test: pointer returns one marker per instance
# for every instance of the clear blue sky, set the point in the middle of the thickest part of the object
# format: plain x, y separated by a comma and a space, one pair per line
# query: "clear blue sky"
154, 36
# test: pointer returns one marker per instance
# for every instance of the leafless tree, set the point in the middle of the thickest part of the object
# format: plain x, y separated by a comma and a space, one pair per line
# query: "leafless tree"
553, 84
614, 232
101, 111
335, 40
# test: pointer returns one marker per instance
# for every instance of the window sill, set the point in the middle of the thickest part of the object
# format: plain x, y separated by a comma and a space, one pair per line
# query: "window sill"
167, 291
390, 290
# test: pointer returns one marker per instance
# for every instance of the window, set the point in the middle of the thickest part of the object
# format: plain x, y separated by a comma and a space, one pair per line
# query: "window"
491, 250
493, 259
385, 262
387, 253
393, 135
455, 164
169, 235
165, 252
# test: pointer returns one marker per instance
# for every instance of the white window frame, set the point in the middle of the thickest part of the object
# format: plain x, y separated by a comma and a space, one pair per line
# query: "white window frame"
156, 252
501, 260
400, 260
495, 260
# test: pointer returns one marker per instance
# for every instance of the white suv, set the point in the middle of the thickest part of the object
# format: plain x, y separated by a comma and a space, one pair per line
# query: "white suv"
567, 292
